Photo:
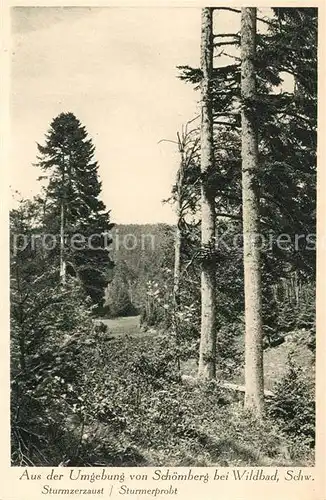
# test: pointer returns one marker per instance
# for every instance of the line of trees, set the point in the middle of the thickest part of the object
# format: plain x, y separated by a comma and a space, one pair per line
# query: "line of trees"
257, 173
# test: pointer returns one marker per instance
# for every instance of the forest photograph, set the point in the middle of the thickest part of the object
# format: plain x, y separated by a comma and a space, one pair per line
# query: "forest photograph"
163, 236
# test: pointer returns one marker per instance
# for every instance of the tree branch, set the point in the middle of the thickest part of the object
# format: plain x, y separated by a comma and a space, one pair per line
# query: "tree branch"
227, 113
227, 35
230, 216
217, 122
221, 44
238, 11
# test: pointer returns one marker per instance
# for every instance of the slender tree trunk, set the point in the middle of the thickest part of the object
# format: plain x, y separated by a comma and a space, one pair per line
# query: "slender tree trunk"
22, 351
177, 267
178, 233
177, 257
176, 289
296, 288
207, 353
62, 229
131, 295
254, 380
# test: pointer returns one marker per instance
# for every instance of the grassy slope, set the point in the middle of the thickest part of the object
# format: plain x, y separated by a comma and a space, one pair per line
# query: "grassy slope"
215, 444
125, 326
275, 363
275, 359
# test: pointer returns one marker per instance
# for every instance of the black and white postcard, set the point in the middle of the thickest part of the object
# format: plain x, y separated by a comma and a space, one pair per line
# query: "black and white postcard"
162, 273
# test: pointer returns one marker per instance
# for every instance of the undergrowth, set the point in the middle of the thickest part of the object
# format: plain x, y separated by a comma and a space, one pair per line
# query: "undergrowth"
121, 402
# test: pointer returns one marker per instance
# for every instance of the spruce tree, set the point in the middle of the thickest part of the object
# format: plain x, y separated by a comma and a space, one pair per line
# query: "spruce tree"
254, 380
73, 208
207, 351
287, 123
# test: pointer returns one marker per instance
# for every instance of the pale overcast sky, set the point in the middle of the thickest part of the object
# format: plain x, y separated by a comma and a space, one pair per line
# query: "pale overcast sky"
115, 69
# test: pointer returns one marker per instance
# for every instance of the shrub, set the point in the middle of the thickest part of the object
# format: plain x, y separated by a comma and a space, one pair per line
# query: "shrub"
118, 301
101, 328
294, 405
46, 371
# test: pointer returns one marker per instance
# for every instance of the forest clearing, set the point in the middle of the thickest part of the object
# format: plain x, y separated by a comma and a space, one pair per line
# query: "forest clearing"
275, 359
186, 340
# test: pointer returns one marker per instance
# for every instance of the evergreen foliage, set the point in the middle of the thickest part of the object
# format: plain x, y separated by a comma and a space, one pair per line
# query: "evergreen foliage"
85, 394
287, 154
67, 160
294, 405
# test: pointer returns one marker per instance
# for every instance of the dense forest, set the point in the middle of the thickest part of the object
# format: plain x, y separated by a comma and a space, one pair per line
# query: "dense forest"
139, 252
186, 344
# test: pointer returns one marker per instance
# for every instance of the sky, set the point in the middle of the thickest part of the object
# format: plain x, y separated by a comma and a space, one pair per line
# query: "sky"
116, 70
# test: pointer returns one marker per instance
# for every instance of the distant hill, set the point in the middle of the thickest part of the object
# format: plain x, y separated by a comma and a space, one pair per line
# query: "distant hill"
140, 252
139, 243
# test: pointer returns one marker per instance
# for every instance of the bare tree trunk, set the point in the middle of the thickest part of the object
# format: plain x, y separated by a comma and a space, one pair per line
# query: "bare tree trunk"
254, 398
178, 232
130, 291
207, 353
177, 266
177, 256
296, 288
62, 229
176, 290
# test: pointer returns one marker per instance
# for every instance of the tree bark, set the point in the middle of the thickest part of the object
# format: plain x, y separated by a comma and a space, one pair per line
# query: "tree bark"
254, 380
177, 256
177, 266
62, 228
207, 353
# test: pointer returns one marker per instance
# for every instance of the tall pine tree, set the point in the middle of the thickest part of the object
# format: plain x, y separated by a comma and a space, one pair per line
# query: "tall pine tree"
287, 123
254, 399
207, 351
72, 205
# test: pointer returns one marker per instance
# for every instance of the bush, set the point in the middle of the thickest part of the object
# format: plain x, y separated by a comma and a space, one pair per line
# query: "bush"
101, 328
294, 405
46, 373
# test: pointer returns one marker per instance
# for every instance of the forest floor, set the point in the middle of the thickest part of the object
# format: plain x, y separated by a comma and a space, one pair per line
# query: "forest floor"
275, 363
129, 325
275, 358
169, 423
